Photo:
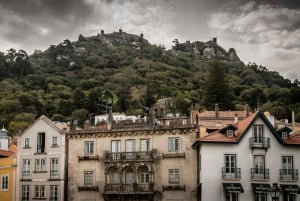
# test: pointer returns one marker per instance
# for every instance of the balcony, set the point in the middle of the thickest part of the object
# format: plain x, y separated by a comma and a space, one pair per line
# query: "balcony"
263, 142
260, 174
134, 188
231, 173
288, 174
88, 158
128, 156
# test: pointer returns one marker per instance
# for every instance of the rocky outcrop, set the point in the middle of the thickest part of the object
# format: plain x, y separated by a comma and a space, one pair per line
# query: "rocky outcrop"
233, 56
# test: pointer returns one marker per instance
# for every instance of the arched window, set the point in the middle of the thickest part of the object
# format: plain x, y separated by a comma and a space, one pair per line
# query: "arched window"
129, 175
144, 175
114, 176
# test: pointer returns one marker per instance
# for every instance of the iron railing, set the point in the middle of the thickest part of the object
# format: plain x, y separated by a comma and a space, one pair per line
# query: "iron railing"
288, 174
261, 142
231, 173
260, 174
129, 156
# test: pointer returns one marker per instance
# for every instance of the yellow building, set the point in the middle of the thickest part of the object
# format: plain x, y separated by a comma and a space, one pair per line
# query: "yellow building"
7, 175
7, 167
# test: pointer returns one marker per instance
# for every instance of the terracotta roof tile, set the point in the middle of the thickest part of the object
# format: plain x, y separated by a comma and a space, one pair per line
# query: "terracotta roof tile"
6, 153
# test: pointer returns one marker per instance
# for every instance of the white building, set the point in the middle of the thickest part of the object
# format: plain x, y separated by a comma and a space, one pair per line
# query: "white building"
242, 162
116, 117
41, 162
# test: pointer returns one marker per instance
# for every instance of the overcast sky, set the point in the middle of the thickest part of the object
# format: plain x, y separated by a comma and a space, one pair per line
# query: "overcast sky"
266, 32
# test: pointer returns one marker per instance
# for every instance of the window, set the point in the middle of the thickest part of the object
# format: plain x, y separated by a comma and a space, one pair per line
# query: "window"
259, 164
26, 168
27, 143
54, 168
114, 176
130, 149
258, 134
231, 197
260, 197
145, 145
174, 176
144, 175
173, 144
53, 193
230, 163
40, 165
54, 142
287, 165
129, 176
41, 143
229, 133
88, 179
89, 148
25, 193
115, 149
284, 135
4, 182
39, 191
289, 197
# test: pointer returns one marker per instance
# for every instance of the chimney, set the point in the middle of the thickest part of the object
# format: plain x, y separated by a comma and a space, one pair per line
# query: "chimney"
102, 32
236, 118
293, 121
217, 110
247, 110
215, 40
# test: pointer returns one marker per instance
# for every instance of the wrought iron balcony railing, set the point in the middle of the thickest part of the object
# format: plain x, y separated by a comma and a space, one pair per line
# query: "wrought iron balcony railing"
260, 174
262, 142
231, 173
128, 188
288, 174
129, 156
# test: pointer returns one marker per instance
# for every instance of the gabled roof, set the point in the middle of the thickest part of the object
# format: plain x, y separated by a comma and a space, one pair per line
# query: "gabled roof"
47, 121
242, 128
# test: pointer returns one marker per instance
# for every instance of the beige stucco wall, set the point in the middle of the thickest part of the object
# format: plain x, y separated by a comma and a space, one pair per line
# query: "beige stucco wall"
158, 143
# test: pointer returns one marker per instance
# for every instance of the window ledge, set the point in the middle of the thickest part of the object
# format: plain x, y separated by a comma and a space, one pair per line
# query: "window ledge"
173, 155
40, 153
39, 198
26, 147
93, 157
88, 188
42, 171
173, 188
54, 146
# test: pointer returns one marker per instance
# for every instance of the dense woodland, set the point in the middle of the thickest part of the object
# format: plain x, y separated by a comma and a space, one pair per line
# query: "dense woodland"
66, 81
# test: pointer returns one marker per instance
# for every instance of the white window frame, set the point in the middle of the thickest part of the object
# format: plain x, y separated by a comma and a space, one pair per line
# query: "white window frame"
4, 182
173, 144
53, 194
39, 191
174, 176
284, 135
144, 145
26, 168
40, 165
54, 141
258, 133
229, 133
25, 192
89, 178
27, 142
89, 147
230, 163
54, 168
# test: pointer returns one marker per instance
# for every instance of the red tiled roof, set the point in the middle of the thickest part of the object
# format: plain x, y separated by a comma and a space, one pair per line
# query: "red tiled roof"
217, 136
6, 153
294, 139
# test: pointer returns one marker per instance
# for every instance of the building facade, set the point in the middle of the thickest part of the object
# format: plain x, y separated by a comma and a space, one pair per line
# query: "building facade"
242, 161
41, 162
7, 168
132, 164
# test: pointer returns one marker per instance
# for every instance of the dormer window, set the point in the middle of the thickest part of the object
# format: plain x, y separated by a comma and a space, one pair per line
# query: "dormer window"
284, 135
229, 133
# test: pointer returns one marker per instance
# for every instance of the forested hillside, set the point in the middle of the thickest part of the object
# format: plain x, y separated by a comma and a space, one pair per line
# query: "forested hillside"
66, 81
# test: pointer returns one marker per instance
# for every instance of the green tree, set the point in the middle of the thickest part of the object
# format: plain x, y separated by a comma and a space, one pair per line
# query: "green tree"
216, 90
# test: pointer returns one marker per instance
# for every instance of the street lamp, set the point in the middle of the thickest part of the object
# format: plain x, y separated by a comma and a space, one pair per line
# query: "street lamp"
275, 192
